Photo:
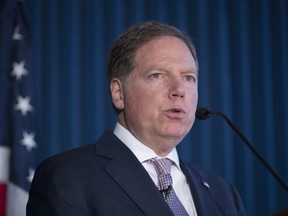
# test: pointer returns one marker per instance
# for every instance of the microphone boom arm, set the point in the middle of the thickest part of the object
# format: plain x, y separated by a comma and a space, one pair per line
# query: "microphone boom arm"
250, 146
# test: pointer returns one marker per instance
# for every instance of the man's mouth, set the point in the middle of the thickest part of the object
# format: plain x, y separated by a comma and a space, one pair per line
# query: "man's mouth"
177, 110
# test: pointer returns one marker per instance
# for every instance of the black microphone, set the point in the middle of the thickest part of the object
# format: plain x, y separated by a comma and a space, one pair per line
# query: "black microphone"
204, 113
166, 191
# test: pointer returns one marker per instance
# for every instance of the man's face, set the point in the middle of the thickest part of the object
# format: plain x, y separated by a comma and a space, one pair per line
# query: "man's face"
160, 95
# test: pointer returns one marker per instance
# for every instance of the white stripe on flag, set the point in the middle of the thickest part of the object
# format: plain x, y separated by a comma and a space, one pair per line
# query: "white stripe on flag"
17, 200
4, 164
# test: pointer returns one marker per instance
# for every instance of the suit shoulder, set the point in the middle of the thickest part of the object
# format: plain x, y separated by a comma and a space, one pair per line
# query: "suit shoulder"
79, 154
70, 157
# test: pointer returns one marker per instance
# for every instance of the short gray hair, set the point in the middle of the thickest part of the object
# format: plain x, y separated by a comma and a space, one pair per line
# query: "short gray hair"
121, 57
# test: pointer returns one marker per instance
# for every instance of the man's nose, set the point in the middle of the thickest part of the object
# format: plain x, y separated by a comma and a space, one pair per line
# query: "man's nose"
176, 89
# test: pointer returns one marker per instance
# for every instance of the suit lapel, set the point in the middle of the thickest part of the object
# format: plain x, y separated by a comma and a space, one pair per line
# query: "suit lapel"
131, 176
200, 189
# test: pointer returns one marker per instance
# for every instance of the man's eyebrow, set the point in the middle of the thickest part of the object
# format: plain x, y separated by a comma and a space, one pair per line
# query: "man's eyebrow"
161, 68
156, 68
191, 70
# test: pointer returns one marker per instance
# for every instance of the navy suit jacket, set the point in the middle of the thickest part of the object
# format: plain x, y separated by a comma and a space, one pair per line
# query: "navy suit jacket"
107, 179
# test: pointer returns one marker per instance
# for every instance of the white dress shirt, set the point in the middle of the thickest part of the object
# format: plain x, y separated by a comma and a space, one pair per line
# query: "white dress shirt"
144, 153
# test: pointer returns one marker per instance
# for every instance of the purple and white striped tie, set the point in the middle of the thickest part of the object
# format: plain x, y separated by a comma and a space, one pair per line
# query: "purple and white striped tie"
163, 167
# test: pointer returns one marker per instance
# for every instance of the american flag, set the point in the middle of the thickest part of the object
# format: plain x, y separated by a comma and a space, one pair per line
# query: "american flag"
18, 131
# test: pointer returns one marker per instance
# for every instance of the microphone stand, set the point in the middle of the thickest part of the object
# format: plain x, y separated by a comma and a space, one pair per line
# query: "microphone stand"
250, 146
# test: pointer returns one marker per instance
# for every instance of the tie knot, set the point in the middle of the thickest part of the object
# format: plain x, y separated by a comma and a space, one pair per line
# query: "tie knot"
162, 166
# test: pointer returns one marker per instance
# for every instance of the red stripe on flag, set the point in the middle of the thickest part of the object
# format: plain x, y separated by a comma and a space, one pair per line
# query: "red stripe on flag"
3, 192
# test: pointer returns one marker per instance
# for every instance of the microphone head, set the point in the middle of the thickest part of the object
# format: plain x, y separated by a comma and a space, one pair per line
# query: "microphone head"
202, 113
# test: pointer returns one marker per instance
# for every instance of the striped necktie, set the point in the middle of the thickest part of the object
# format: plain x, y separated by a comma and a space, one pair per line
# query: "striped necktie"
163, 167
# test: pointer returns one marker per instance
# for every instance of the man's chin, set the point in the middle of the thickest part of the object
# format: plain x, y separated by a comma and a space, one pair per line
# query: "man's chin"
176, 134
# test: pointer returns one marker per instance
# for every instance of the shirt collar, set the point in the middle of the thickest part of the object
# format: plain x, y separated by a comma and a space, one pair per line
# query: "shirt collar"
141, 151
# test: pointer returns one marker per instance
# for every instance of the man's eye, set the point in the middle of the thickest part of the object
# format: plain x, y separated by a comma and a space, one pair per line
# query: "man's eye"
190, 78
156, 75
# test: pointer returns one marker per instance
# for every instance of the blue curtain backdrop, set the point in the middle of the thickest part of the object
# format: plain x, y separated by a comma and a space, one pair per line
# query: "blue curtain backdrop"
243, 54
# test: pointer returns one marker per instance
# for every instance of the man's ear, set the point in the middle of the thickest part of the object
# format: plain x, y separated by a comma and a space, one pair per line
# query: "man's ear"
117, 94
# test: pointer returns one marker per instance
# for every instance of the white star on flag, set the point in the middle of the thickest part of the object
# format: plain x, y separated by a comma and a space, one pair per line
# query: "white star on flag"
23, 105
19, 70
16, 34
31, 175
18, 108
28, 141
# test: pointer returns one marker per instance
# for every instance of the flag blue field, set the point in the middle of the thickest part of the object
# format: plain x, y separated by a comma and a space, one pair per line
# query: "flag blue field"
18, 122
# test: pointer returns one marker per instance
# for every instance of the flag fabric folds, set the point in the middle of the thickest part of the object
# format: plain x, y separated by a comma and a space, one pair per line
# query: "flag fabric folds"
18, 124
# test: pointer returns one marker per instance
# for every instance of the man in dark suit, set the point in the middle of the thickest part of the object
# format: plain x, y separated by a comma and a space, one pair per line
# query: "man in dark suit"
153, 75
